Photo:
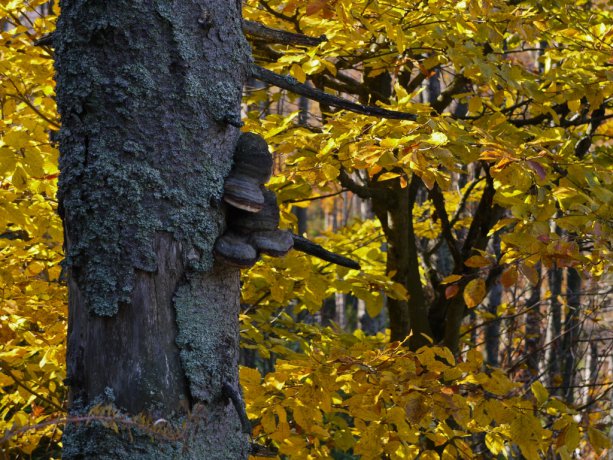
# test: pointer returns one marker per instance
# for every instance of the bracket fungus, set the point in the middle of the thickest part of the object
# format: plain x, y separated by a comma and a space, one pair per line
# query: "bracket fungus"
252, 220
252, 169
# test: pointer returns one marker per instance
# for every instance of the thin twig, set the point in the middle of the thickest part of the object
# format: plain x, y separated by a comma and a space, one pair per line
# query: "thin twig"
314, 198
29, 390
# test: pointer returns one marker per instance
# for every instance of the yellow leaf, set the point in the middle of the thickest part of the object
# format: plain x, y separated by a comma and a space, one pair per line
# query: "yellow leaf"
540, 392
437, 138
569, 437
5, 380
297, 72
574, 105
250, 377
494, 443
474, 292
268, 422
598, 439
389, 142
283, 432
374, 304
451, 279
312, 66
20, 178
477, 262
330, 172
450, 453
475, 104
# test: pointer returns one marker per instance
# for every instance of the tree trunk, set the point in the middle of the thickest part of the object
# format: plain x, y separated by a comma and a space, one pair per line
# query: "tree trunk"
396, 214
571, 333
492, 330
145, 91
534, 334
555, 329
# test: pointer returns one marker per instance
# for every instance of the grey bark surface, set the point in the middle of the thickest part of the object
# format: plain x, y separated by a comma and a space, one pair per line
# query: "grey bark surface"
145, 90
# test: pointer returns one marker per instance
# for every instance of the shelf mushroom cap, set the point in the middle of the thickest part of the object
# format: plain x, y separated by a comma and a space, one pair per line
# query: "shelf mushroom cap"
234, 250
252, 157
266, 219
275, 243
243, 192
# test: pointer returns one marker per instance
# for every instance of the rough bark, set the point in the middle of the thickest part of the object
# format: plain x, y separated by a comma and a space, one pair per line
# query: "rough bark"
147, 92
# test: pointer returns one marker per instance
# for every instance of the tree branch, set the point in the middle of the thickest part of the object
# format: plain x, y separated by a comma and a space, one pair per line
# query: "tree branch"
464, 200
267, 34
229, 392
486, 215
439, 204
293, 85
313, 198
363, 191
308, 247
445, 98
584, 144
292, 19
456, 215
19, 383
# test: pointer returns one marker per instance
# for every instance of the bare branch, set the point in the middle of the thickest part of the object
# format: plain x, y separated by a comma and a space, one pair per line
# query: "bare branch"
456, 215
439, 204
445, 98
283, 37
293, 85
308, 247
313, 198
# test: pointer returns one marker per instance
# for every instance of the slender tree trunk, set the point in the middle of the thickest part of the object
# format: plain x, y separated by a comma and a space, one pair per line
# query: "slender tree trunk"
571, 333
492, 330
396, 214
555, 328
533, 328
145, 91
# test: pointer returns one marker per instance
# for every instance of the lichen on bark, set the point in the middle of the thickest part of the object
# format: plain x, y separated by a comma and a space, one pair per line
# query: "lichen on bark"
137, 157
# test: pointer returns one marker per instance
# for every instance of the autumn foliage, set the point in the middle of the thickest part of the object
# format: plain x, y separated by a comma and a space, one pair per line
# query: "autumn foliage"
506, 164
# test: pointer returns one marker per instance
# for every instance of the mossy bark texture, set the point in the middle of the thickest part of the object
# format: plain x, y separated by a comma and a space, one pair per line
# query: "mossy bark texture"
145, 90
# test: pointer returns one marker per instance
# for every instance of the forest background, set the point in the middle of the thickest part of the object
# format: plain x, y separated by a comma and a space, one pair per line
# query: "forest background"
479, 209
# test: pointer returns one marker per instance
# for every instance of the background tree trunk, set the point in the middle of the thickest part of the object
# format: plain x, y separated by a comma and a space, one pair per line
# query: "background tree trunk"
145, 91
571, 334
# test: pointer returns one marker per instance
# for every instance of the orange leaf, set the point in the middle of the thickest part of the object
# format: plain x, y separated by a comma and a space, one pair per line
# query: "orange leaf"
452, 291
509, 277
530, 273
314, 6
451, 279
474, 292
